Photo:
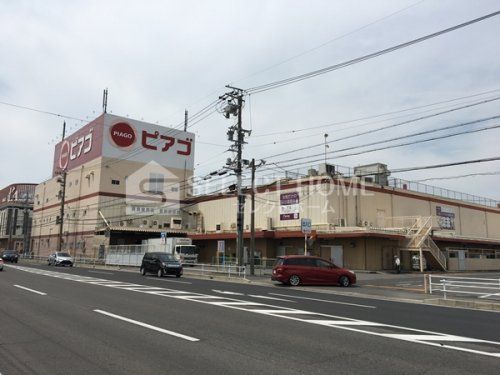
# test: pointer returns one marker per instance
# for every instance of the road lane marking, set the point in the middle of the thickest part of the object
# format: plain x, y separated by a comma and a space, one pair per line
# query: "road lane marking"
345, 323
490, 295
30, 290
171, 281
145, 325
227, 292
273, 298
325, 300
406, 334
103, 272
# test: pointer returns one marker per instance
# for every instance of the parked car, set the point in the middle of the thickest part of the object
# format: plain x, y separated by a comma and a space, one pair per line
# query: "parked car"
60, 259
301, 269
1, 265
161, 264
10, 256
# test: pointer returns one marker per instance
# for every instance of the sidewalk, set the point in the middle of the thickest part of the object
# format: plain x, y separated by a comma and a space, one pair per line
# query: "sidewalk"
404, 287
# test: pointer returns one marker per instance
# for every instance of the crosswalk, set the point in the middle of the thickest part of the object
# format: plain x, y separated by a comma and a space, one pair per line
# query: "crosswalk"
436, 339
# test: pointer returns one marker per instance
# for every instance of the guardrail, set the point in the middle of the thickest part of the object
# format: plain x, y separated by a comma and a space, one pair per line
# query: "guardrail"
209, 269
475, 286
202, 269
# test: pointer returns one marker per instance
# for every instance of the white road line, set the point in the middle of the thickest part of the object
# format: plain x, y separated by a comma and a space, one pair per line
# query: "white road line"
227, 292
103, 272
407, 334
490, 295
325, 300
149, 326
430, 337
273, 298
345, 323
171, 281
30, 290
236, 303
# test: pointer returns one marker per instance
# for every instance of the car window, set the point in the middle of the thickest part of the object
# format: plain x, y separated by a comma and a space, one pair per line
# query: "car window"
63, 254
166, 257
323, 263
279, 262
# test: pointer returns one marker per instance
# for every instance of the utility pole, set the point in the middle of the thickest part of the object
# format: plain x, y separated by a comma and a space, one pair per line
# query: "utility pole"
251, 256
25, 225
62, 192
234, 107
11, 224
252, 224
184, 182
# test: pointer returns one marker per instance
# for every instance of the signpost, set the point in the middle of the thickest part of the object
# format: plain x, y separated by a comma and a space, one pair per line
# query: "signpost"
306, 227
163, 236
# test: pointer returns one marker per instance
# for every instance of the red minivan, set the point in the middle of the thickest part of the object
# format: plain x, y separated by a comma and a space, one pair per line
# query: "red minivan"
301, 269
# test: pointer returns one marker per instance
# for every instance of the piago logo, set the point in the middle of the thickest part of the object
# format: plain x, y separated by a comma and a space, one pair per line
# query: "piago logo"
122, 134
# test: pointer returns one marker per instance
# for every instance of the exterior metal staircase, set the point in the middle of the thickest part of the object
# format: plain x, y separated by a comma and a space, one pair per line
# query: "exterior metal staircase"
418, 239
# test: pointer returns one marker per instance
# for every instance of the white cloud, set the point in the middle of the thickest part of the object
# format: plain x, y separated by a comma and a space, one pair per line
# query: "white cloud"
158, 58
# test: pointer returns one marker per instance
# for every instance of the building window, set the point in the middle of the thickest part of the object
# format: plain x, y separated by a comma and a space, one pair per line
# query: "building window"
156, 181
115, 182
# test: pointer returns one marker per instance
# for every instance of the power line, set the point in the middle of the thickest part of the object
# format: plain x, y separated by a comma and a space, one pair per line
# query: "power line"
371, 131
484, 160
459, 176
382, 141
301, 77
331, 41
373, 116
394, 146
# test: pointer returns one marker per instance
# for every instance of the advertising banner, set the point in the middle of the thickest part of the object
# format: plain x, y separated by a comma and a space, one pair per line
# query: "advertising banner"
122, 138
289, 206
143, 142
446, 217
79, 148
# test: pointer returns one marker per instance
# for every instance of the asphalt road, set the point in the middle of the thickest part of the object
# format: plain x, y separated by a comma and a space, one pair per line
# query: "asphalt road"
109, 322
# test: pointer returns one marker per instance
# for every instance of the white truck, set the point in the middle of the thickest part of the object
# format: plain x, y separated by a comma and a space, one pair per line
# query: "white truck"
181, 247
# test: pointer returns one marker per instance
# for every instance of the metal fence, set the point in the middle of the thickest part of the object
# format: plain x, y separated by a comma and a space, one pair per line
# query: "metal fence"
464, 286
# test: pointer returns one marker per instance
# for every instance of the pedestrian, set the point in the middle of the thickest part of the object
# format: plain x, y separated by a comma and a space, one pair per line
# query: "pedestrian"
397, 264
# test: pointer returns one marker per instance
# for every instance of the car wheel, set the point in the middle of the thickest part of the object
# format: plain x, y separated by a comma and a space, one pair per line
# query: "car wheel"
344, 281
294, 280
160, 272
143, 271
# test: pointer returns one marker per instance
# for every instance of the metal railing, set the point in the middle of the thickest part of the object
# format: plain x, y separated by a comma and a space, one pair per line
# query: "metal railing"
474, 286
229, 270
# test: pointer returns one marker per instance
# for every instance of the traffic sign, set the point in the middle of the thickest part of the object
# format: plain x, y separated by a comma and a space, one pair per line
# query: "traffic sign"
306, 225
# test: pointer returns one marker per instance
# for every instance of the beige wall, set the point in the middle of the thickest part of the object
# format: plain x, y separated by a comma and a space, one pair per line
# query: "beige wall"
475, 264
356, 206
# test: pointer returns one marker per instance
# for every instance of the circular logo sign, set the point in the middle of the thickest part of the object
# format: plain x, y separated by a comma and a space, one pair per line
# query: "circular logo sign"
64, 155
122, 134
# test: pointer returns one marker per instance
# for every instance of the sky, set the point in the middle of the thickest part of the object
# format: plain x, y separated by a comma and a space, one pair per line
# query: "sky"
158, 58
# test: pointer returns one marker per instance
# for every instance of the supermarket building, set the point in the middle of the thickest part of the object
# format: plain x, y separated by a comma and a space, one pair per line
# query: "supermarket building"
124, 183
358, 222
